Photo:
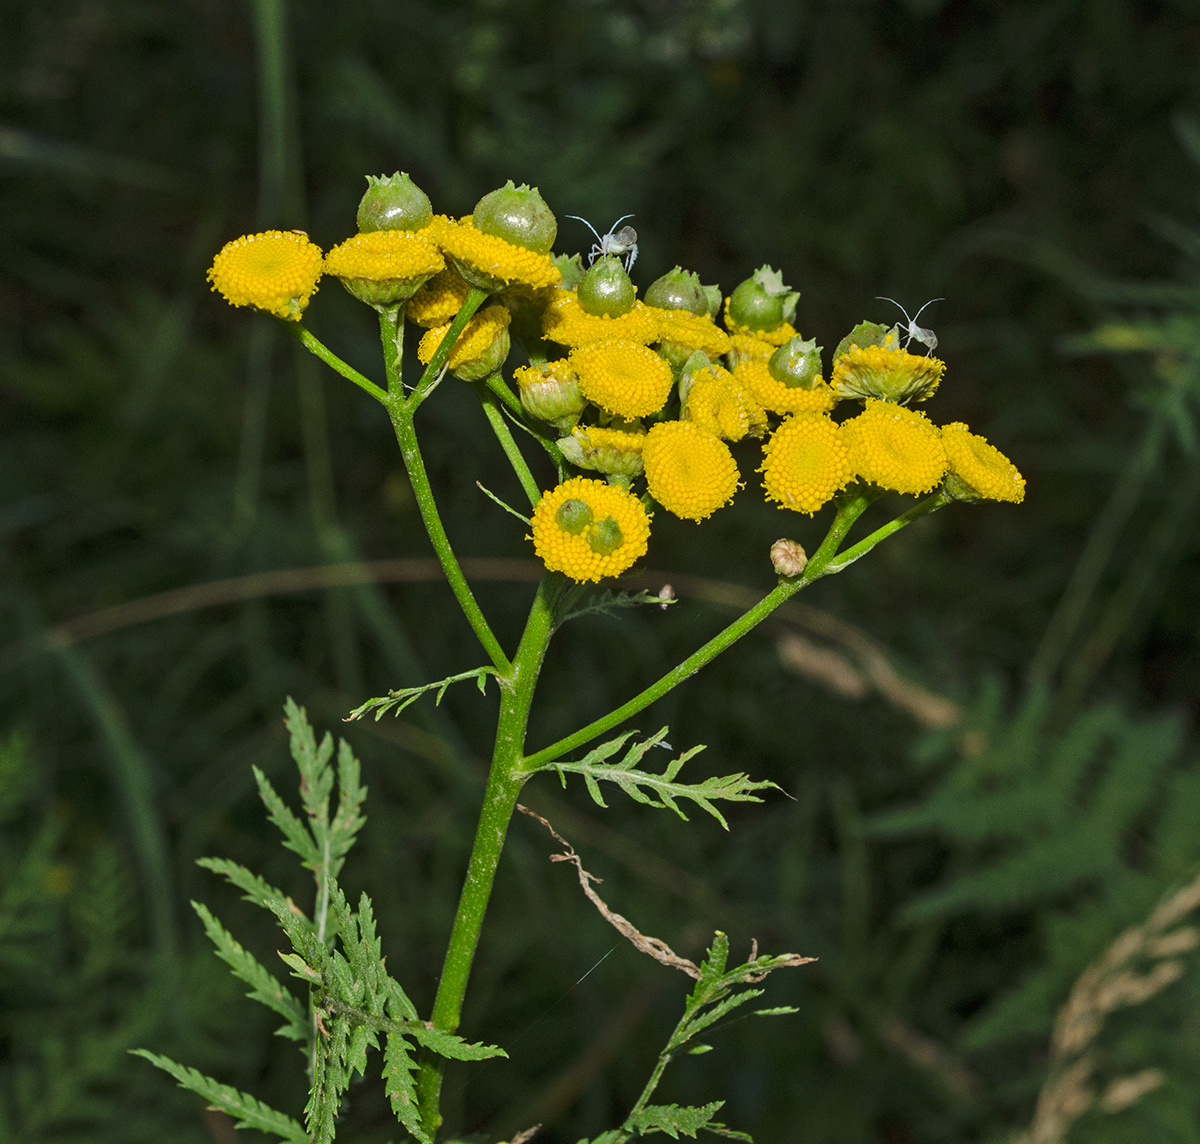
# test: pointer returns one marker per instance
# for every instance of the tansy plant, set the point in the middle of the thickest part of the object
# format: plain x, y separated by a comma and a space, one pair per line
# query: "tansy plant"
628, 408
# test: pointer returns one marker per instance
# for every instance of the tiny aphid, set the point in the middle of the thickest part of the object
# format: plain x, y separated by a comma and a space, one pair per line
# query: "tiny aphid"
618, 242
914, 332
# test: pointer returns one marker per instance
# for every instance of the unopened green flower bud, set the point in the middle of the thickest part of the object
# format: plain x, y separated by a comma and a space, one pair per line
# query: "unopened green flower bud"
393, 202
605, 536
550, 393
680, 289
763, 302
605, 290
796, 364
518, 215
573, 516
615, 452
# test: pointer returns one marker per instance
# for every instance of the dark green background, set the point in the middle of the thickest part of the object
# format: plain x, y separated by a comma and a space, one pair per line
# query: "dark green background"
1030, 162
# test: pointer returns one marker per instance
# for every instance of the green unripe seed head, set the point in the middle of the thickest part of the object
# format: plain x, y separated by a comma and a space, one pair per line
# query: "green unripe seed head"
605, 537
680, 289
605, 289
393, 202
573, 516
518, 215
796, 364
763, 302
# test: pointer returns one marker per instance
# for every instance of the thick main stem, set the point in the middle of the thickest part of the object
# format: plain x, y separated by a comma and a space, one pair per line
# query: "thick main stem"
505, 780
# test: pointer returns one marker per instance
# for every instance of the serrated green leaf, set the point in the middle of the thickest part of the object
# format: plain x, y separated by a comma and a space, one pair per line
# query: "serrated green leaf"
450, 1045
397, 701
673, 1119
264, 987
659, 790
398, 1073
243, 1108
296, 836
255, 889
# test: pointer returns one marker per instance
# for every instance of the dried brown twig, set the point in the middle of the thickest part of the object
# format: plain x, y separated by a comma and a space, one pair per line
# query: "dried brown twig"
1108, 984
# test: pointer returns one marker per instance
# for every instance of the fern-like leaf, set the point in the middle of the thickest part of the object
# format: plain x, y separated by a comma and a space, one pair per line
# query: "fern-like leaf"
673, 1120
610, 602
397, 701
263, 985
658, 790
243, 1108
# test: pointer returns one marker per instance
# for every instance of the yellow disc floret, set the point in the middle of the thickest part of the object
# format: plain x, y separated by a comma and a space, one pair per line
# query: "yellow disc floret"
481, 347
439, 299
689, 471
276, 271
493, 261
589, 529
986, 473
623, 378
691, 331
716, 401
754, 376
566, 322
895, 448
805, 463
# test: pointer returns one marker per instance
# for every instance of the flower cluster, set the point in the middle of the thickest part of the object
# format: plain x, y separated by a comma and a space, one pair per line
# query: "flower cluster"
648, 393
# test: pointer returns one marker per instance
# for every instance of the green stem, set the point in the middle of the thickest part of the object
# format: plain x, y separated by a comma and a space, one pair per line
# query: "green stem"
849, 510
930, 504
497, 385
437, 364
391, 335
401, 415
500, 799
318, 349
491, 410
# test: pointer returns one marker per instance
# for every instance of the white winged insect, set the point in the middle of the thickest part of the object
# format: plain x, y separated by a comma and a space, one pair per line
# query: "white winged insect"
618, 242
915, 333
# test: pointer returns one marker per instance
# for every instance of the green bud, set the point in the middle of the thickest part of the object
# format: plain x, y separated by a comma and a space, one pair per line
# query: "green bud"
393, 202
549, 396
573, 516
680, 289
518, 215
605, 289
605, 537
796, 364
763, 302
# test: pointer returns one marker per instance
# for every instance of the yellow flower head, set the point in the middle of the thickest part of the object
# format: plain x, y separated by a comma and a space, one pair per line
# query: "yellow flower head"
747, 347
716, 401
276, 271
691, 331
979, 471
784, 332
492, 263
894, 448
623, 378
566, 322
382, 267
689, 471
589, 529
755, 377
805, 463
438, 300
481, 347
886, 372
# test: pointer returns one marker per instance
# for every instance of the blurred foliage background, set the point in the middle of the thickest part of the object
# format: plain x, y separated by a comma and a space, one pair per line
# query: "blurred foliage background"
986, 730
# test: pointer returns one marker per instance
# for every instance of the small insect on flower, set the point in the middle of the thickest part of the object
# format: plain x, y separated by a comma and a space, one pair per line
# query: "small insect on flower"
915, 333
618, 242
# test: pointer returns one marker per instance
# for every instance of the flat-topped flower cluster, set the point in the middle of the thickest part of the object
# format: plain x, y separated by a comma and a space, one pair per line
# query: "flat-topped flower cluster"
646, 394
